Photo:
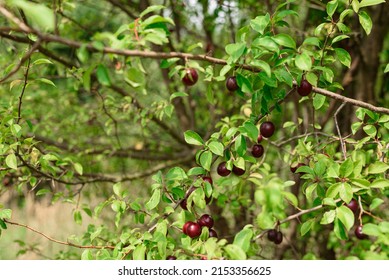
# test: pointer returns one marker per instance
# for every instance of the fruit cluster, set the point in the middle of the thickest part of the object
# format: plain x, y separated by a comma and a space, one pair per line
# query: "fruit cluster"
193, 229
275, 236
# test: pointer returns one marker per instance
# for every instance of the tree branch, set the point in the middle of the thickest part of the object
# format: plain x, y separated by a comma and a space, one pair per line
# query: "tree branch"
59, 241
162, 55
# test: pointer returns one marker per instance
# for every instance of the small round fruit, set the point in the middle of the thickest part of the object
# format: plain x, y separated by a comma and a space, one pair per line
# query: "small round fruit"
208, 179
204, 258
305, 88
238, 171
353, 205
184, 204
171, 258
206, 221
359, 232
190, 77
271, 235
231, 83
257, 150
259, 139
185, 227
193, 230
222, 169
212, 233
267, 129
278, 238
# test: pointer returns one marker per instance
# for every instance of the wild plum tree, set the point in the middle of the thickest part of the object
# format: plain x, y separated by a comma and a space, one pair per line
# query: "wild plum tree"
152, 125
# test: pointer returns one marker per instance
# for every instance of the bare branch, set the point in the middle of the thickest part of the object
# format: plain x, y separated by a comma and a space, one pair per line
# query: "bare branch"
59, 241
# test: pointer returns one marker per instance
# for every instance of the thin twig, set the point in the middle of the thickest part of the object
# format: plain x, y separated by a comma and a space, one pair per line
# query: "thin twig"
58, 241
342, 143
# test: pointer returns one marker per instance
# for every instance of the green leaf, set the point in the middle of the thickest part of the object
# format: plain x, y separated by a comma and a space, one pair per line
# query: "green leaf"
154, 200
176, 174
37, 14
343, 56
380, 184
11, 161
375, 203
291, 198
217, 148
328, 217
139, 252
243, 239
3, 225
345, 192
240, 145
303, 61
236, 50
339, 38
263, 65
41, 61
46, 81
365, 21
339, 230
177, 94
318, 101
331, 7
235, 252
87, 255
386, 68
151, 9
370, 130
77, 217
102, 75
378, 167
193, 138
260, 23
285, 40
346, 216
42, 192
371, 229
365, 3
194, 171
346, 168
306, 226
5, 214
78, 168
251, 130
206, 160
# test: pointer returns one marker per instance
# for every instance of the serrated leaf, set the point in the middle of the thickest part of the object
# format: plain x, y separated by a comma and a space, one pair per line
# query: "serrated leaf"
371, 229
346, 216
263, 65
11, 161
194, 171
375, 203
318, 101
346, 168
151, 9
193, 138
236, 50
380, 184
